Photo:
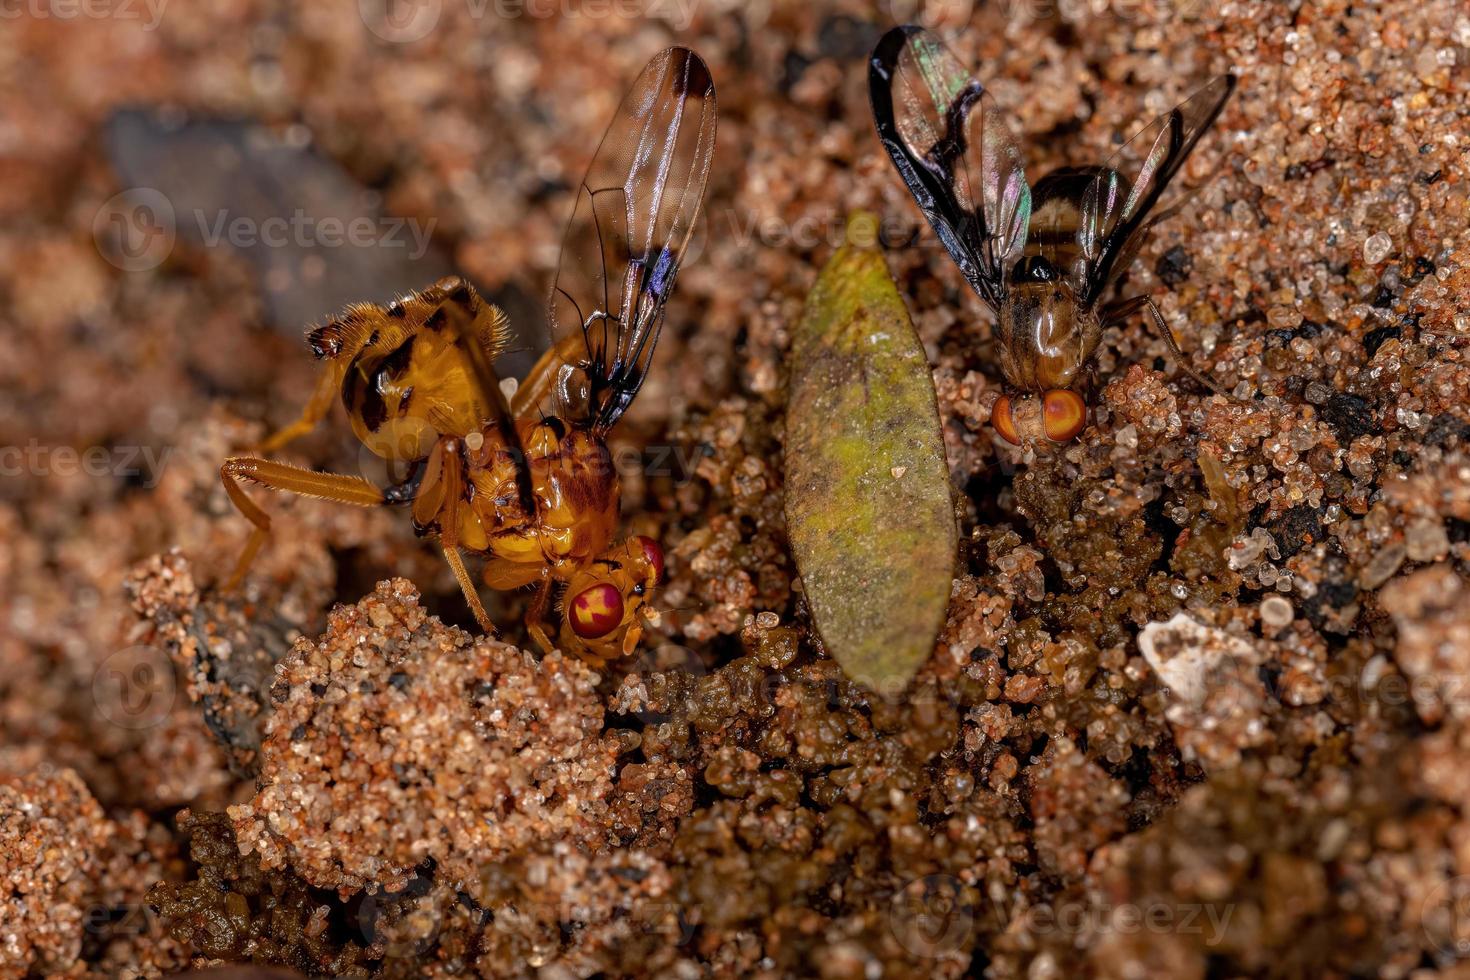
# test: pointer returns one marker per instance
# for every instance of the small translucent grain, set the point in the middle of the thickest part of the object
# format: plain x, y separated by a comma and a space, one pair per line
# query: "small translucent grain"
1276, 613
1376, 248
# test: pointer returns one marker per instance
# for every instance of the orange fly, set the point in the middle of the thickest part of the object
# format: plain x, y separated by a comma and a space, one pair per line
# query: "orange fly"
526, 481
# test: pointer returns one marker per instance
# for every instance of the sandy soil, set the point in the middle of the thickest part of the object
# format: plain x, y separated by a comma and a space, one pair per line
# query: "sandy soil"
1079, 783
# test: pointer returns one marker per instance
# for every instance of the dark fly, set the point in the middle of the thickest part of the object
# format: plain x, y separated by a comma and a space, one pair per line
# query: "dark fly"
1042, 257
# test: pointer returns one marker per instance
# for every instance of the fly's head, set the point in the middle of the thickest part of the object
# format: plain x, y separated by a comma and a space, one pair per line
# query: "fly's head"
605, 605
1039, 419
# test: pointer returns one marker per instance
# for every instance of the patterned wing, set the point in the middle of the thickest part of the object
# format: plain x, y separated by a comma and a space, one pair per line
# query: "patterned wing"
956, 153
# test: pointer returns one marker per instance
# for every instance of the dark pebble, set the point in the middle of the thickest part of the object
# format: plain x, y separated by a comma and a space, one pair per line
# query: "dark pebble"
1350, 415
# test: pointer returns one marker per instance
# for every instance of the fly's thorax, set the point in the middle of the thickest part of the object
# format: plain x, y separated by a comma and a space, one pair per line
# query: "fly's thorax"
579, 484
404, 388
571, 455
1057, 218
1047, 335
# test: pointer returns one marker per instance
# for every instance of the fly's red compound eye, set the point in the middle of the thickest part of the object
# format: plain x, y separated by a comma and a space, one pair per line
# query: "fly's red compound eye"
655, 556
1000, 419
595, 611
1063, 415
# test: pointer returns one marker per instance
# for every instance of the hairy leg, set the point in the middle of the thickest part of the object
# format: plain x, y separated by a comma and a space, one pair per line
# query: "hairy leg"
537, 611
467, 586
237, 470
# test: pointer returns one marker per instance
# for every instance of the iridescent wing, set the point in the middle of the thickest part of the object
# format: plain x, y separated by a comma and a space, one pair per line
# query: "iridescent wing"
956, 153
1116, 209
629, 230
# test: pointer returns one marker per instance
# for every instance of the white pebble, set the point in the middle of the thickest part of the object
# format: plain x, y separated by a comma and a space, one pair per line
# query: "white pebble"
1185, 654
1376, 248
1276, 613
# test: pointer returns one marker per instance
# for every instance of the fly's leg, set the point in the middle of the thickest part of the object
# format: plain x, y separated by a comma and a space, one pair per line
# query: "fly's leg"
316, 409
537, 610
1115, 313
1179, 357
238, 470
475, 337
571, 349
467, 586
1127, 307
445, 463
504, 575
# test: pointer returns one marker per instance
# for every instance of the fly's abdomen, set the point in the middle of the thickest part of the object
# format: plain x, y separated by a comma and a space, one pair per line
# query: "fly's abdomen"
1058, 231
